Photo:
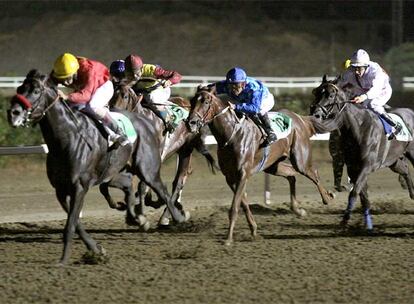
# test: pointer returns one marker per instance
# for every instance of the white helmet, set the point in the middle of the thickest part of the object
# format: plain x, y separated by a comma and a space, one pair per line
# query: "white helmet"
360, 58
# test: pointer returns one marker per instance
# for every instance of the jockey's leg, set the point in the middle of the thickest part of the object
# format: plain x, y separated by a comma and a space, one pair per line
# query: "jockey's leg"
271, 136
267, 104
377, 105
118, 135
160, 97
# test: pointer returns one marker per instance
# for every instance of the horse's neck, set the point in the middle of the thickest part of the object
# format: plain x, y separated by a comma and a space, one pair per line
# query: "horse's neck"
58, 125
224, 127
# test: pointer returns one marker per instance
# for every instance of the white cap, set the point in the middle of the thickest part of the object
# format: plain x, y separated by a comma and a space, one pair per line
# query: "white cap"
360, 58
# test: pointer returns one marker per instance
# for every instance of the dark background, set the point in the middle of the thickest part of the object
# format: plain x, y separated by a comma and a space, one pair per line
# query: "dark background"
267, 38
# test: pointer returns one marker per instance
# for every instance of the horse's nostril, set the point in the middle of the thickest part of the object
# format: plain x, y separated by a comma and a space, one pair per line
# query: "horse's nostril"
192, 122
317, 116
16, 112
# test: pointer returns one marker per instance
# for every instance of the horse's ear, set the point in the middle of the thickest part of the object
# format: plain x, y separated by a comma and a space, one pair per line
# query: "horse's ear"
324, 78
212, 89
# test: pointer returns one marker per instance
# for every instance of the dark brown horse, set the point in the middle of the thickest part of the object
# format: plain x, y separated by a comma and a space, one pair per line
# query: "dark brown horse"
78, 155
366, 147
240, 155
181, 142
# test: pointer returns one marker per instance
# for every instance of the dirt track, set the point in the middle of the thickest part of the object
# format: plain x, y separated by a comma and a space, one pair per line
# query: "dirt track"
295, 260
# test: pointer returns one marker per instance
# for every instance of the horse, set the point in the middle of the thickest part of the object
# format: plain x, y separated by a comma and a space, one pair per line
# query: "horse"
366, 147
241, 155
181, 142
79, 157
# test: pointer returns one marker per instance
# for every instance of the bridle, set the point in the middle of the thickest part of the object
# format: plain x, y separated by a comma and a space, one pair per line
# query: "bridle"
32, 107
328, 109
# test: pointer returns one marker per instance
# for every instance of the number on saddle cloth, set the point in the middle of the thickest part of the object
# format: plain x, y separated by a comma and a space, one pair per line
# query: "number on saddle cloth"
281, 124
176, 114
126, 125
403, 135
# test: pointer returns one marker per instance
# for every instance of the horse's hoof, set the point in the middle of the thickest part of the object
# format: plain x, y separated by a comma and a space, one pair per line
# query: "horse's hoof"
121, 206
187, 215
141, 219
146, 226
164, 221
302, 212
228, 242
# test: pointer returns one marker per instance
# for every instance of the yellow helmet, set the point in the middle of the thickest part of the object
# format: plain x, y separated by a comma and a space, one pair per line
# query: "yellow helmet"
347, 64
65, 65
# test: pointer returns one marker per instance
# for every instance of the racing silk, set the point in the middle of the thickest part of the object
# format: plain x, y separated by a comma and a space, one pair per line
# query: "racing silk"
90, 76
153, 75
375, 82
250, 99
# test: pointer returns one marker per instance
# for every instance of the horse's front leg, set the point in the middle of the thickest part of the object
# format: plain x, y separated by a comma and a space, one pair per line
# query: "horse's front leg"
239, 188
77, 197
91, 244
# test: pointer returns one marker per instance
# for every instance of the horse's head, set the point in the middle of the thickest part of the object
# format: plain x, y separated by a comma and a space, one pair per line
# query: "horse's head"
204, 107
329, 100
124, 98
31, 102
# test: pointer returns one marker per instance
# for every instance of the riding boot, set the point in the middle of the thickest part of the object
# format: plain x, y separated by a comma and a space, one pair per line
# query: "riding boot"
168, 126
271, 136
396, 127
118, 135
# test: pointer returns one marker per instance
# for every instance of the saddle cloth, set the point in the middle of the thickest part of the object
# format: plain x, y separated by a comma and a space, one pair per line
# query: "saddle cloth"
404, 135
176, 114
126, 125
281, 124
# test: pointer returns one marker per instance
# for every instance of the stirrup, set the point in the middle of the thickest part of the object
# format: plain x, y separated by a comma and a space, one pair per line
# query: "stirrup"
395, 130
169, 127
270, 139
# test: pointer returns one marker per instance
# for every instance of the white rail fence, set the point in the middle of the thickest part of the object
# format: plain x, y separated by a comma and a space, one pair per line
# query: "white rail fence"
194, 81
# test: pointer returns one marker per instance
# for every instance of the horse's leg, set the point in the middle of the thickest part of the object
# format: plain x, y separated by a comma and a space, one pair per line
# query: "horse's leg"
183, 171
239, 188
287, 171
366, 205
401, 167
135, 208
91, 244
123, 182
249, 215
75, 206
149, 172
360, 185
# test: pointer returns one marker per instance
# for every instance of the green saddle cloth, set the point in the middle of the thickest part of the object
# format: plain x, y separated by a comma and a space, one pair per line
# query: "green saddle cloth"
126, 125
281, 124
176, 114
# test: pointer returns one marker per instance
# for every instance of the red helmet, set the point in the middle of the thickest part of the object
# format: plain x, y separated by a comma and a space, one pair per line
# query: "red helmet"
133, 63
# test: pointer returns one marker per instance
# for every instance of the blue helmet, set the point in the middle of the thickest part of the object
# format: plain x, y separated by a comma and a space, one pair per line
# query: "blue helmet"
236, 75
117, 67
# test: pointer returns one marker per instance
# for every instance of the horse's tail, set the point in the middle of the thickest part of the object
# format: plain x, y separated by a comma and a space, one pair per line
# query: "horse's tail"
201, 147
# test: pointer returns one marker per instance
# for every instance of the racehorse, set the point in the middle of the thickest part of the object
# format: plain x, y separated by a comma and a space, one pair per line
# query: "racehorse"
79, 157
366, 147
240, 154
181, 141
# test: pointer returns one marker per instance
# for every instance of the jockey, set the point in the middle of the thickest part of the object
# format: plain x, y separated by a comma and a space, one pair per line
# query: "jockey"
92, 89
153, 82
370, 83
251, 97
117, 71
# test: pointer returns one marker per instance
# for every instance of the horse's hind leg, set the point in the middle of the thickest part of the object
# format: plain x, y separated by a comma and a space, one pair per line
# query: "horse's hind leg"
401, 167
307, 170
288, 172
123, 182
183, 171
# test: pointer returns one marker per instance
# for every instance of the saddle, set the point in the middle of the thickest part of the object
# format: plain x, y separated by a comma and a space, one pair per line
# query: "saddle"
403, 135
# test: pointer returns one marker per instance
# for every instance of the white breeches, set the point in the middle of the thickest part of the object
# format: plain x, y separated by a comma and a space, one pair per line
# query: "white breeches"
267, 104
100, 99
377, 104
159, 97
